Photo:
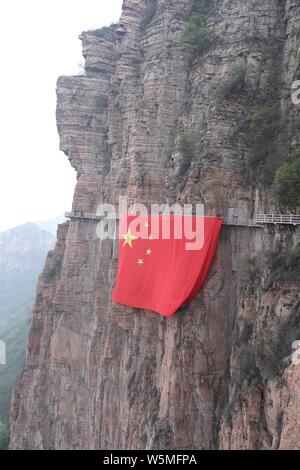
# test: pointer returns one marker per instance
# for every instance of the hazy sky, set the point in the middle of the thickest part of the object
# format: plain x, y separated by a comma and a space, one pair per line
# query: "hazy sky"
39, 42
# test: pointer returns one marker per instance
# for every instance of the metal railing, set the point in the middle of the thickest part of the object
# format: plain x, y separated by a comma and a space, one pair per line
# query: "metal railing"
84, 216
289, 219
242, 223
259, 221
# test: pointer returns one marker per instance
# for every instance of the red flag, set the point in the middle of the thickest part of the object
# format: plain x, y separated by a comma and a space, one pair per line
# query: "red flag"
158, 270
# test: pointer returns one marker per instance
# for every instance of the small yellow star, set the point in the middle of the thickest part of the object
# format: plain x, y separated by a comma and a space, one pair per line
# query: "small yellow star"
128, 238
150, 237
140, 262
148, 252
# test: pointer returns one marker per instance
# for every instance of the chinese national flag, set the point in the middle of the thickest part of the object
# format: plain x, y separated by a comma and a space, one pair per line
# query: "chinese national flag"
157, 271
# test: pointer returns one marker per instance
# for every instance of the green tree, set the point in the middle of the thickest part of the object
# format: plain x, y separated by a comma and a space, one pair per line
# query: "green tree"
264, 124
286, 185
196, 36
148, 14
235, 82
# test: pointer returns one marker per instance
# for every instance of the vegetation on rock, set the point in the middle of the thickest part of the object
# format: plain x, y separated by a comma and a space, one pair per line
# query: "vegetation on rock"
197, 36
264, 124
148, 14
286, 184
186, 147
53, 271
235, 82
284, 266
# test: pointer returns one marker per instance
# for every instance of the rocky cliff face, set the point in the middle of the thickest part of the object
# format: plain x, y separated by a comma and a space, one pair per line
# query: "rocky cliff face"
99, 375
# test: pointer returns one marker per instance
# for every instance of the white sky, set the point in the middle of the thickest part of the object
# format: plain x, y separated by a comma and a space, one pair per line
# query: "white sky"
39, 42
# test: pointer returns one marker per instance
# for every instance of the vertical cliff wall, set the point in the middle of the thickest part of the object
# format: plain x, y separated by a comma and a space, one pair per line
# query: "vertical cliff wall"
100, 375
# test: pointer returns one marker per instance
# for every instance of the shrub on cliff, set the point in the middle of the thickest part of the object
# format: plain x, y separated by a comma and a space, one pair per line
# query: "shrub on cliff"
196, 36
235, 83
148, 14
263, 119
185, 145
53, 271
286, 185
263, 126
284, 266
245, 363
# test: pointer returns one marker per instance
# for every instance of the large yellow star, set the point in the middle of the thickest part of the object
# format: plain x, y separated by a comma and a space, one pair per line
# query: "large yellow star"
128, 238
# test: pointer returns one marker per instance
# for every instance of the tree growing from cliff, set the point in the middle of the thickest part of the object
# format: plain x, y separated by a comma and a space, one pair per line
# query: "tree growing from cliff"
264, 123
197, 37
284, 266
148, 14
286, 185
234, 84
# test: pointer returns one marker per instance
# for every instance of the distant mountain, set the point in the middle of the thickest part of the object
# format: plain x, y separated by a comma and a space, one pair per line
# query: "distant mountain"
51, 225
22, 253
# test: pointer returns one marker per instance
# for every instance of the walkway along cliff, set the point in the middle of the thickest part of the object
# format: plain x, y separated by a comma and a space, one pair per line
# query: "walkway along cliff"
160, 117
